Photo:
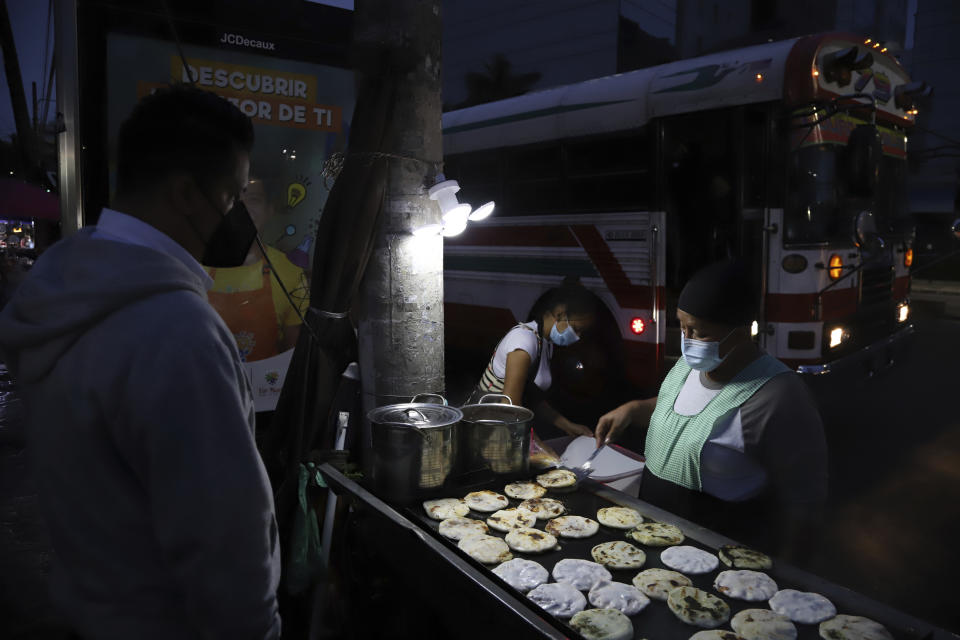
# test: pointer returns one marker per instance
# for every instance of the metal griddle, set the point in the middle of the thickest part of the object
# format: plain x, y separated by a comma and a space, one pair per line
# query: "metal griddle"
656, 620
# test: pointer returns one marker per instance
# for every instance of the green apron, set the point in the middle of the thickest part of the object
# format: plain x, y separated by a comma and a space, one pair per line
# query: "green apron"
674, 441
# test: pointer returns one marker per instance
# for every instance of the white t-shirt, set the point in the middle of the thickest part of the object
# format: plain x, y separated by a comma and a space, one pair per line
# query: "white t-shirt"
525, 340
726, 471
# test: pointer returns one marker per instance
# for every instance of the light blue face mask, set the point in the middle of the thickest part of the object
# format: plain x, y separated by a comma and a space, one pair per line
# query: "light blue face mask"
565, 339
702, 355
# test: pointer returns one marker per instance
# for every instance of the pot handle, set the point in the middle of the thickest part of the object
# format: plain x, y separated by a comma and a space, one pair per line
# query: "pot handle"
429, 395
490, 421
495, 395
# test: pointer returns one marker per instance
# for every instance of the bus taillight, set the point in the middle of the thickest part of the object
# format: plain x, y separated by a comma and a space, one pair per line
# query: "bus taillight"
638, 326
836, 267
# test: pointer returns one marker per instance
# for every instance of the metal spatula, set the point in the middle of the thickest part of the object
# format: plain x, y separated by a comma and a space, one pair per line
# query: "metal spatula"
585, 469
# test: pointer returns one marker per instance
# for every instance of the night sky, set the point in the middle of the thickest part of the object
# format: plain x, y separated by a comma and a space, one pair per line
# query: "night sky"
29, 19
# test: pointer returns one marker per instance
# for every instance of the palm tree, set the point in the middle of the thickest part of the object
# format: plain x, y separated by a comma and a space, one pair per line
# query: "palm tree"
496, 82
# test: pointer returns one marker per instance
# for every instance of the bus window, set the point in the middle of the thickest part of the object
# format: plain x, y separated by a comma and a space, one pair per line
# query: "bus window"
812, 212
611, 174
479, 176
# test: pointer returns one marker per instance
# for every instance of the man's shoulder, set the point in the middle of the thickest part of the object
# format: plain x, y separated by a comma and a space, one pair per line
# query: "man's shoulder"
176, 317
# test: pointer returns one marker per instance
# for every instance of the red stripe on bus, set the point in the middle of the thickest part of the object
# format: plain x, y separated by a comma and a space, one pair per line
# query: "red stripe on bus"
625, 292
542, 236
802, 307
901, 287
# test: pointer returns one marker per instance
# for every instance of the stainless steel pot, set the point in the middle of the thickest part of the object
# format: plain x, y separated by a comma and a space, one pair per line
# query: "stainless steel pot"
413, 448
496, 436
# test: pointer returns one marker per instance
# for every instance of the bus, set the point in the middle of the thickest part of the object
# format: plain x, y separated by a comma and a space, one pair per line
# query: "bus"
790, 154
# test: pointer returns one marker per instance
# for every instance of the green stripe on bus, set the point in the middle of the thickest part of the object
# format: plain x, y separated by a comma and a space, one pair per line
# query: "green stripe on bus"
532, 266
527, 115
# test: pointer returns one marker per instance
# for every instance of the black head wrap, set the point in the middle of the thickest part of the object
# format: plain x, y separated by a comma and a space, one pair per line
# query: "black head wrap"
722, 292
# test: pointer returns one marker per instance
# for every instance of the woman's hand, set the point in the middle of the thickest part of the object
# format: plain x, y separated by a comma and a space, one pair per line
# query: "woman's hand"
611, 424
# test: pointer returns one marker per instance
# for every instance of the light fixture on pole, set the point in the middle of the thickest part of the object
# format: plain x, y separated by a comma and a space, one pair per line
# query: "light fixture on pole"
454, 213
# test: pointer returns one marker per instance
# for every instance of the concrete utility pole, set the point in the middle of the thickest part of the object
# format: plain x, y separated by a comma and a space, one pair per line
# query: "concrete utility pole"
401, 323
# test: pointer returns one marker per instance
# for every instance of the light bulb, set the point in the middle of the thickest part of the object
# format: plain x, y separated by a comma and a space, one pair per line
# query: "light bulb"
483, 211
457, 215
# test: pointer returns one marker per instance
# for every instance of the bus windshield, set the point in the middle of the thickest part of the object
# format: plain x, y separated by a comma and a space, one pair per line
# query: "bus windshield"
813, 195
818, 206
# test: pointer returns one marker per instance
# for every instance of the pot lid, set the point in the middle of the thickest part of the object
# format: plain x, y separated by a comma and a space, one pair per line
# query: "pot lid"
509, 413
421, 415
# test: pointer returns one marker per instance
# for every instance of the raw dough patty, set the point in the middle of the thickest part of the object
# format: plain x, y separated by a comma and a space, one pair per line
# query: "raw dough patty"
744, 584
658, 583
689, 559
763, 624
521, 574
558, 599
802, 606
619, 517
581, 574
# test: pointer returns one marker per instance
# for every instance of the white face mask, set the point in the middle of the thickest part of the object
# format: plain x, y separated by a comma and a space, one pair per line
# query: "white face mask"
701, 354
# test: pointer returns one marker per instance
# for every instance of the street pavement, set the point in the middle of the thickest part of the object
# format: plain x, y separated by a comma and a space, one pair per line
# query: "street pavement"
893, 523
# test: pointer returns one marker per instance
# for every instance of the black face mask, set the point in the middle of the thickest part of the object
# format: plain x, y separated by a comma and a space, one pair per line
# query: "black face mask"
232, 239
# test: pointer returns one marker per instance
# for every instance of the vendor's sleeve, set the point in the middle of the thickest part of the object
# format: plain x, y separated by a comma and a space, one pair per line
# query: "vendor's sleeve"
522, 339
190, 441
783, 429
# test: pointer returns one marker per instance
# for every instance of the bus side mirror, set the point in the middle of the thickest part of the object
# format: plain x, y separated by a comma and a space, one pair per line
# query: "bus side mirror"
863, 153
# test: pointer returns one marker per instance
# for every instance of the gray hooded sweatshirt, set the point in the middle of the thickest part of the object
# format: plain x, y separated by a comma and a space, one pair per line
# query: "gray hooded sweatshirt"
140, 429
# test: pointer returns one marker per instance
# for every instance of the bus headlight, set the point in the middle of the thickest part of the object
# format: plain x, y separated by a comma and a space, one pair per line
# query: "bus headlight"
838, 335
903, 312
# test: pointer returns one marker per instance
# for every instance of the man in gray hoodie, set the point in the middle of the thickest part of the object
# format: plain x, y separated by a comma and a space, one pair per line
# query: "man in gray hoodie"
139, 416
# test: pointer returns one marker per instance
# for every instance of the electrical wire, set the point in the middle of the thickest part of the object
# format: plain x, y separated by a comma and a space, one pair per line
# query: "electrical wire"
176, 40
276, 276
934, 133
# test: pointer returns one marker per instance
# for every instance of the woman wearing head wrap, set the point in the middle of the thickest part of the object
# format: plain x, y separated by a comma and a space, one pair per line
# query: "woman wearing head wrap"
734, 440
